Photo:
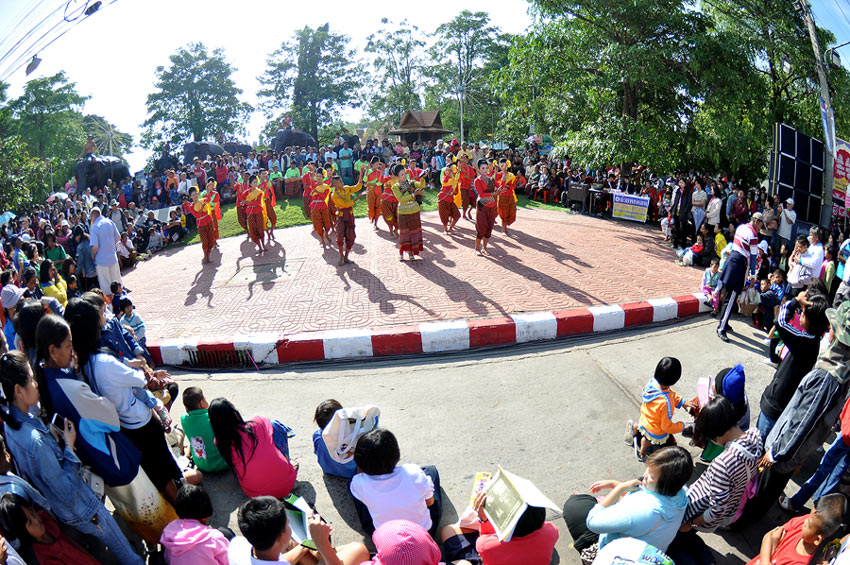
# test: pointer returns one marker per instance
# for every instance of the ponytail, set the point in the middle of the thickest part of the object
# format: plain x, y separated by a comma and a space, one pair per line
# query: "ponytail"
51, 330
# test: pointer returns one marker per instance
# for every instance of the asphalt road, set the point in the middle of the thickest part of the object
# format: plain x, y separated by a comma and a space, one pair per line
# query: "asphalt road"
553, 413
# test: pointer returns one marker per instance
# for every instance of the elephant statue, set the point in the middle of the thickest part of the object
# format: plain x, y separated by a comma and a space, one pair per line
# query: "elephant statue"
233, 148
93, 172
351, 139
200, 149
292, 138
166, 162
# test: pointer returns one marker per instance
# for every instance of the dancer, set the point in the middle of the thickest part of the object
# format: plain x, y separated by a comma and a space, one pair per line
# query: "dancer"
320, 213
330, 170
270, 202
449, 214
389, 203
344, 199
374, 183
485, 217
308, 183
255, 208
466, 177
409, 221
505, 187
241, 215
214, 198
204, 215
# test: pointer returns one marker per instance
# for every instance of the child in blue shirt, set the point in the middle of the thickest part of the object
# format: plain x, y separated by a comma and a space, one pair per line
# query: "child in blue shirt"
323, 415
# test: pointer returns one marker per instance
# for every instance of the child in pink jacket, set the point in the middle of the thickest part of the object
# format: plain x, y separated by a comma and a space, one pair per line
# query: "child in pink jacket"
189, 540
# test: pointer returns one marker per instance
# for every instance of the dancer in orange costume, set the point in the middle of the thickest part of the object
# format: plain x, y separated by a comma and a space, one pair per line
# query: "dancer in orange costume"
506, 193
449, 214
204, 215
374, 184
389, 203
269, 198
307, 185
242, 216
466, 176
215, 205
485, 216
320, 212
344, 199
255, 208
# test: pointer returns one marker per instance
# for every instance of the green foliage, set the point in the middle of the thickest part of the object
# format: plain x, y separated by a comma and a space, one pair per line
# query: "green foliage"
662, 84
21, 176
195, 99
397, 57
47, 118
466, 51
315, 76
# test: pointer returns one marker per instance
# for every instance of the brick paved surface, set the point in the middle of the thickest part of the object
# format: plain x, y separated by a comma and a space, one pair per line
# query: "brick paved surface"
553, 260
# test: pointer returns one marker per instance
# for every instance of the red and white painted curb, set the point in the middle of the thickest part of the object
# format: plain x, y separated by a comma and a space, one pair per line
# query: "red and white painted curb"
426, 337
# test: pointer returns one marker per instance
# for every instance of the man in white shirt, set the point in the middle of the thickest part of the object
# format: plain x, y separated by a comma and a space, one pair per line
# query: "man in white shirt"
183, 185
787, 217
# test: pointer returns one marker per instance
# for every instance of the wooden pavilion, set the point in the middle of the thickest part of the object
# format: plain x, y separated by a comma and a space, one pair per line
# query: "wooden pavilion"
420, 126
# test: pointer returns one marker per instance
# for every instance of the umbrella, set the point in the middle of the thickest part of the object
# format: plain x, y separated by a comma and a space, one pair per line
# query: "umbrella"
6, 216
55, 195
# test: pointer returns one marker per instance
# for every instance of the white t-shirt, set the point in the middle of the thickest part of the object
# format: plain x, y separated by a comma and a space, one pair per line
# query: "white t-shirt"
115, 381
784, 226
400, 495
239, 553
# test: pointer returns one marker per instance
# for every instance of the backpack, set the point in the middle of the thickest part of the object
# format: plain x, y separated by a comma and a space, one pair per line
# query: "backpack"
346, 427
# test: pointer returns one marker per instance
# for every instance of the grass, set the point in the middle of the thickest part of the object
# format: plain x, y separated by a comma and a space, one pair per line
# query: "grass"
289, 213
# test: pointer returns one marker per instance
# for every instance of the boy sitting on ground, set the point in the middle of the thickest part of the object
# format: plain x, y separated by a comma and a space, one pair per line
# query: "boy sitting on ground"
196, 425
656, 426
709, 284
797, 540
323, 415
383, 490
268, 539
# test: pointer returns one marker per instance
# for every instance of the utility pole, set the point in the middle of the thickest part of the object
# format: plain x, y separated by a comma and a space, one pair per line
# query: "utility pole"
826, 207
462, 89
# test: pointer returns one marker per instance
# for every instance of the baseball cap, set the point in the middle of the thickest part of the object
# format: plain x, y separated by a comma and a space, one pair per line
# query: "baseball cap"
758, 216
401, 542
64, 223
790, 201
763, 246
11, 295
839, 319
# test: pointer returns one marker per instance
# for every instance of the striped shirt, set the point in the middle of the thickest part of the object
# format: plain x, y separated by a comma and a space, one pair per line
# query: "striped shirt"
746, 243
716, 495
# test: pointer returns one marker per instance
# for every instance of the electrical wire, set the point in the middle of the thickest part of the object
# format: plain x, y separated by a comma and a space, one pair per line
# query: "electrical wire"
31, 32
76, 17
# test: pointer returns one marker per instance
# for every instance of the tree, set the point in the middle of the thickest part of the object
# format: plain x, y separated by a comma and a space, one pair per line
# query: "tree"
48, 120
397, 57
315, 76
195, 99
21, 175
109, 139
466, 51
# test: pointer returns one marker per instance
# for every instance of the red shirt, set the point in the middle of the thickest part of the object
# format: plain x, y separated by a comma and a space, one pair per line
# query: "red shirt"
376, 179
482, 188
319, 195
201, 217
533, 549
221, 174
268, 192
845, 422
63, 550
786, 551
307, 183
467, 176
388, 190
254, 206
508, 186
201, 175
266, 471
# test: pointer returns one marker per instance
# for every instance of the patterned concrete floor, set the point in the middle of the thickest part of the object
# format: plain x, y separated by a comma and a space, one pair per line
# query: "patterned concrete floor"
552, 260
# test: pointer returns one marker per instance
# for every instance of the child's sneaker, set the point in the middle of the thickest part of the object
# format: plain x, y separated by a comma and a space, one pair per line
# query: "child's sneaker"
629, 436
636, 442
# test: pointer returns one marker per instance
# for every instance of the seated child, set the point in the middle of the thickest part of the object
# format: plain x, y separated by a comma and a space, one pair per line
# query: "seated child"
128, 317
190, 539
73, 291
266, 538
323, 415
719, 240
795, 542
155, 241
383, 490
709, 284
117, 293
768, 302
656, 426
40, 533
531, 543
196, 425
689, 253
398, 541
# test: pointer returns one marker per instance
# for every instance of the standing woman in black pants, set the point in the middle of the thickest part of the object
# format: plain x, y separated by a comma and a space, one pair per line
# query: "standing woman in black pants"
682, 214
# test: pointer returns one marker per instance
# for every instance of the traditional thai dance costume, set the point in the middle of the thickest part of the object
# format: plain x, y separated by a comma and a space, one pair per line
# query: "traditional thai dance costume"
307, 190
409, 220
446, 198
320, 212
270, 203
374, 185
389, 203
507, 198
344, 203
466, 177
485, 217
204, 215
241, 215
255, 209
215, 206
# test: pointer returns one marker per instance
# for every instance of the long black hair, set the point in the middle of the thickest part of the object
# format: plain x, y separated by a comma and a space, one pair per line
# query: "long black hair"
84, 319
14, 370
44, 271
228, 427
51, 330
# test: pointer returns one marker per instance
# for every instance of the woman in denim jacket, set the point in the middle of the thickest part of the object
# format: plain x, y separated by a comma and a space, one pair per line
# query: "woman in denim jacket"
54, 471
